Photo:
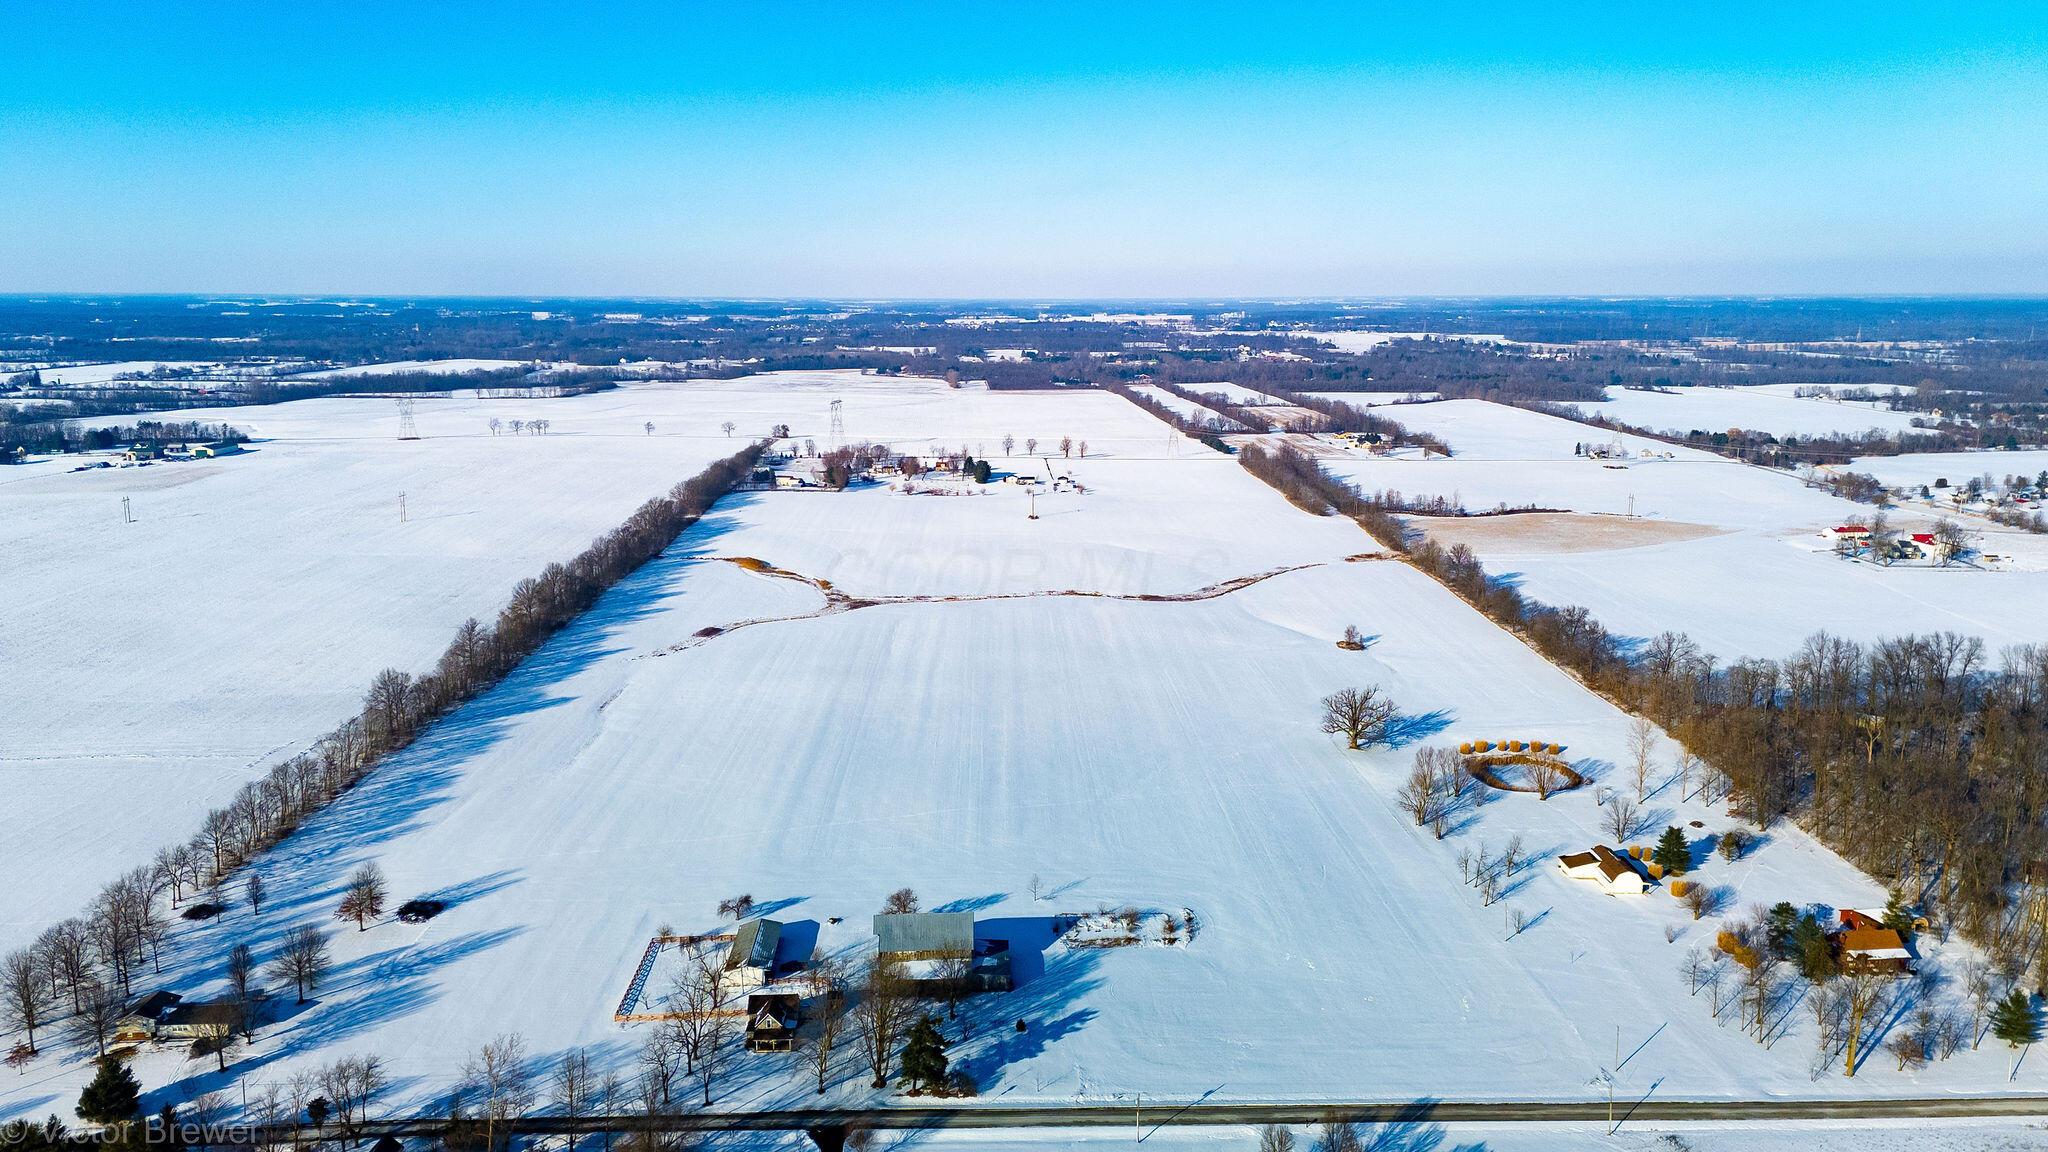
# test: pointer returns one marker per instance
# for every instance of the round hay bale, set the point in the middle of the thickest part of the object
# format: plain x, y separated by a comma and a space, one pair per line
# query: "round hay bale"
1465, 748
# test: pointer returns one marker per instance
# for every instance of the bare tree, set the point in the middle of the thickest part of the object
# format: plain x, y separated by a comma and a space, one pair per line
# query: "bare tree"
879, 1013
572, 1086
253, 889
707, 1021
241, 973
302, 960
1951, 540
900, 901
1546, 777
737, 907
1621, 817
728, 427
24, 984
350, 1084
829, 976
1642, 742
1694, 968
649, 429
1066, 445
1359, 714
363, 901
1009, 442
498, 1078
1862, 990
1276, 1138
1031, 447
93, 1023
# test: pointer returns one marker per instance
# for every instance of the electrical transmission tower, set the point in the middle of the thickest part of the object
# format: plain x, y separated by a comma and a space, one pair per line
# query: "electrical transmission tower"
407, 430
838, 432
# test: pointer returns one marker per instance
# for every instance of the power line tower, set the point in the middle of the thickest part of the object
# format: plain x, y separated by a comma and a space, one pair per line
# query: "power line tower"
407, 430
838, 433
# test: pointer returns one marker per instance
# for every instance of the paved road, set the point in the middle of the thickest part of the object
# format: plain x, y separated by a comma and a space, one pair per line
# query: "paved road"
1164, 1113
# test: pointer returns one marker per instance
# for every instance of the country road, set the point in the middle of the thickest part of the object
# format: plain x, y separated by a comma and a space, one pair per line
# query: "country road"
1149, 1116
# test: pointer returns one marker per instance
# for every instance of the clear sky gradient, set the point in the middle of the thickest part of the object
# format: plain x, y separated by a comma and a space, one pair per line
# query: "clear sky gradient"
1023, 149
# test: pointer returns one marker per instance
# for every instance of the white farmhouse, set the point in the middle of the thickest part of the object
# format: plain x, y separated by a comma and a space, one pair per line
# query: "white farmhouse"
1605, 868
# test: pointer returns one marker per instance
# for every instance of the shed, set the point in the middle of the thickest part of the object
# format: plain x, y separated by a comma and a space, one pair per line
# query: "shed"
1874, 950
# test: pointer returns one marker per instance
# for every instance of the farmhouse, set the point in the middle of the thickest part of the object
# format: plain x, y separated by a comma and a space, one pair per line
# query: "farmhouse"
142, 452
199, 1019
1873, 950
1605, 868
144, 1017
750, 962
772, 1021
1855, 532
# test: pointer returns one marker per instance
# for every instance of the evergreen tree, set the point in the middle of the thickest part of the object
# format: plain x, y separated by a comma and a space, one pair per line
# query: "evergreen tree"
1812, 950
1671, 853
2013, 1021
924, 1055
1778, 928
1898, 917
113, 1097
981, 472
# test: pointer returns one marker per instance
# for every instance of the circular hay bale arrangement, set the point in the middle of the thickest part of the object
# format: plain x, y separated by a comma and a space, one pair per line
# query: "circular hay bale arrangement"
1520, 766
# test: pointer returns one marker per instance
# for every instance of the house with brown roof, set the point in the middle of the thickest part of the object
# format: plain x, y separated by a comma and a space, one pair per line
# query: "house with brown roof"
1606, 869
1866, 949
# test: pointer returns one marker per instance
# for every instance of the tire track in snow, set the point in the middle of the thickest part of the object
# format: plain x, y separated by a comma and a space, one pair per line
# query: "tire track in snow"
837, 601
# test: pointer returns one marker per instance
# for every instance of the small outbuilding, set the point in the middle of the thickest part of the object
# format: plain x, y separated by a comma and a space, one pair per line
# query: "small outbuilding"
1878, 950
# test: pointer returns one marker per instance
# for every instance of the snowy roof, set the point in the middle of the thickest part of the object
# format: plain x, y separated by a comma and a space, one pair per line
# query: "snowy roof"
925, 932
1874, 944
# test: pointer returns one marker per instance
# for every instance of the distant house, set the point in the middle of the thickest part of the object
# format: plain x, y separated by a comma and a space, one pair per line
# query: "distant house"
1873, 950
772, 1021
1604, 868
750, 962
143, 452
1850, 532
789, 480
144, 1017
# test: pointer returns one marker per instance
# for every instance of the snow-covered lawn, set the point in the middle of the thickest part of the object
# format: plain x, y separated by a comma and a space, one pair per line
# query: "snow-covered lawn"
1719, 409
150, 667
1162, 754
1757, 586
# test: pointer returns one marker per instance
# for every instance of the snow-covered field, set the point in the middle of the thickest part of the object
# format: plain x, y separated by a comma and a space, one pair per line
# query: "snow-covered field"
1157, 749
1186, 409
1236, 394
1720, 409
1376, 399
1757, 585
1955, 467
150, 667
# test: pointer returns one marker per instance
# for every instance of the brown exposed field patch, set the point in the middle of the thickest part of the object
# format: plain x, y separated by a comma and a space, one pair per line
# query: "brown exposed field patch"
1556, 531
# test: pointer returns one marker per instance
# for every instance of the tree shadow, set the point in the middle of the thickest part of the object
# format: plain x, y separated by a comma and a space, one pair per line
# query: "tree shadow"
1404, 729
973, 903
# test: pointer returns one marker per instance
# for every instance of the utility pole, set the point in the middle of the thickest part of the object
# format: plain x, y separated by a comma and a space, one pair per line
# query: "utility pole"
401, 507
127, 513
1034, 505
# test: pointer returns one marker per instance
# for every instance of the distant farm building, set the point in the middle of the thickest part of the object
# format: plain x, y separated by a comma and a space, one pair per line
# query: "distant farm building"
145, 1017
1606, 869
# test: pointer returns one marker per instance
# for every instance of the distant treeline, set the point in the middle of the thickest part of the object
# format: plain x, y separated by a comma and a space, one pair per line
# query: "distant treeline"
1914, 757
53, 438
1204, 432
97, 955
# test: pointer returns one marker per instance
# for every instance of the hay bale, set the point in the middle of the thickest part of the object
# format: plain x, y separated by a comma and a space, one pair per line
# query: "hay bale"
1465, 748
1680, 887
1656, 871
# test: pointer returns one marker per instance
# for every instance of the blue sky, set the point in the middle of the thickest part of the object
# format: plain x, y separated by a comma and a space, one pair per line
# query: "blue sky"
1023, 149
